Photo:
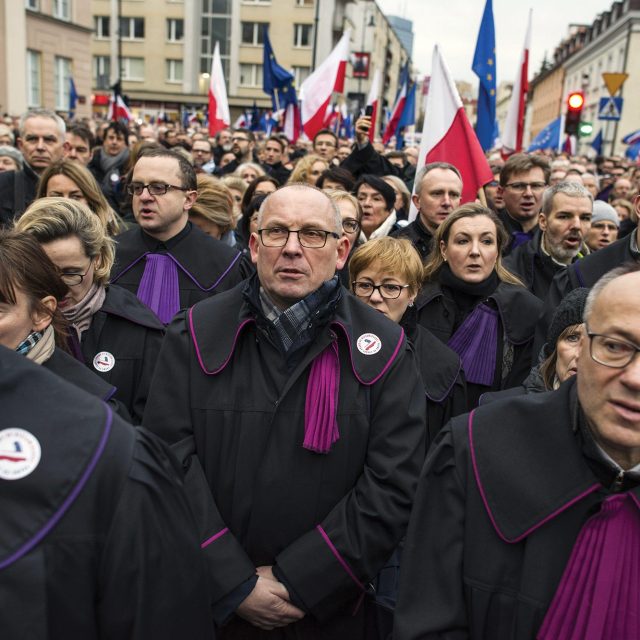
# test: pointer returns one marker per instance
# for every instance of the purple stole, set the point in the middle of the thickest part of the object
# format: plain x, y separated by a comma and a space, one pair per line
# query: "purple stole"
158, 287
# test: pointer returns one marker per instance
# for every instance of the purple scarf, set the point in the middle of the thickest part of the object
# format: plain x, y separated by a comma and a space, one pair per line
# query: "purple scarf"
476, 342
599, 593
321, 406
159, 288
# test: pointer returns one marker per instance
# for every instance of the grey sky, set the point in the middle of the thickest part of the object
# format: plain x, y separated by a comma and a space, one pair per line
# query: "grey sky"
454, 25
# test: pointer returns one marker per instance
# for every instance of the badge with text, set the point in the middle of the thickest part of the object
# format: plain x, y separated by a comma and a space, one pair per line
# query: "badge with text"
19, 453
104, 362
369, 344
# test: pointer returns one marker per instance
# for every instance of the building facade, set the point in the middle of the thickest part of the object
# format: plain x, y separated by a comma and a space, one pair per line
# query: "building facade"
43, 44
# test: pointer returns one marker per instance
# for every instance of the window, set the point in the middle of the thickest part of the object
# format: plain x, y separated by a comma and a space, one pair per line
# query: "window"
256, 1
34, 5
301, 74
175, 29
215, 26
62, 9
102, 26
253, 33
61, 82
33, 79
173, 70
302, 35
132, 28
305, 3
101, 72
132, 69
250, 75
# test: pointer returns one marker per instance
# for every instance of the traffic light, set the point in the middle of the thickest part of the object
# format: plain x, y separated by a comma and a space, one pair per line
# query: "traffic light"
575, 102
585, 129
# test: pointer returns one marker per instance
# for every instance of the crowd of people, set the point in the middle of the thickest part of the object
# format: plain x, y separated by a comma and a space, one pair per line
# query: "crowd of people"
362, 408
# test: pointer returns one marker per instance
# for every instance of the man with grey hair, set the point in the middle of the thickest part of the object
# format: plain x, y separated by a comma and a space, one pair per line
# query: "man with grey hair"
41, 143
281, 400
527, 515
563, 224
438, 189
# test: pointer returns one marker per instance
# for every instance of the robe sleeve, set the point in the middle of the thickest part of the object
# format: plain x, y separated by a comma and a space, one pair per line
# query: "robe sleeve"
332, 564
152, 576
431, 603
168, 415
152, 343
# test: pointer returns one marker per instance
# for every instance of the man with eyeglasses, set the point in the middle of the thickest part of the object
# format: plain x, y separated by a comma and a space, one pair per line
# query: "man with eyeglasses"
243, 142
166, 261
41, 141
523, 179
559, 240
281, 398
527, 516
202, 154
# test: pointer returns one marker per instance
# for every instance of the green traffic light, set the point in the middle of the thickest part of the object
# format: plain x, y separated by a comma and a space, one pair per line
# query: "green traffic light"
585, 129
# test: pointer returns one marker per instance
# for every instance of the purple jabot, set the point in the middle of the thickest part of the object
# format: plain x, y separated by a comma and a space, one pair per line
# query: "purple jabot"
158, 287
321, 406
476, 342
599, 593
74, 345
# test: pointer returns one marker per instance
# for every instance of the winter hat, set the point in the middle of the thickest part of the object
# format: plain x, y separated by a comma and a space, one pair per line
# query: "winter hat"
604, 211
568, 312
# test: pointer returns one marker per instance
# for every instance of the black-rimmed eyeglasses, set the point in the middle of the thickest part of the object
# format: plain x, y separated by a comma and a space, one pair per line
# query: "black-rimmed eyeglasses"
350, 225
74, 279
154, 188
611, 352
387, 290
308, 238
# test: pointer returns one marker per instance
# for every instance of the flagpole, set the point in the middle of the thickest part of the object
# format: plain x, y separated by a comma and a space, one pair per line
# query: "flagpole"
277, 100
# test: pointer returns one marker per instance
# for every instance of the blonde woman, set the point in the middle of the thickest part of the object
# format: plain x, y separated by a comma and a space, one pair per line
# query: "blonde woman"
308, 169
213, 210
110, 330
474, 305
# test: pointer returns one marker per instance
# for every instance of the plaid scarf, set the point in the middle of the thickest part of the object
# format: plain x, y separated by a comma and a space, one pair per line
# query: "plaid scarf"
29, 342
295, 325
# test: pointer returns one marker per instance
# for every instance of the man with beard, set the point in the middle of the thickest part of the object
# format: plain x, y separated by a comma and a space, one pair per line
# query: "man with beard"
522, 181
222, 144
243, 143
564, 223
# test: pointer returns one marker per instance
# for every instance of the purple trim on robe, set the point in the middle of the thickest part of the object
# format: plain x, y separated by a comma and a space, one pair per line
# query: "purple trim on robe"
321, 403
69, 500
159, 288
115, 278
529, 531
598, 596
339, 558
214, 537
74, 346
518, 238
579, 275
476, 342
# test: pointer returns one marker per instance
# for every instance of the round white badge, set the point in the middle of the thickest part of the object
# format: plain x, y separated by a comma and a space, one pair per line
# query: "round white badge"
19, 453
369, 344
104, 361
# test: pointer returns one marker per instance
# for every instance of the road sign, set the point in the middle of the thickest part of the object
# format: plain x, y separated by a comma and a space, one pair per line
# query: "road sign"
614, 81
610, 109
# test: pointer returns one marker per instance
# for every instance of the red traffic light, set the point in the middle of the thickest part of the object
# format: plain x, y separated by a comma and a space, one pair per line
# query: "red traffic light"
576, 100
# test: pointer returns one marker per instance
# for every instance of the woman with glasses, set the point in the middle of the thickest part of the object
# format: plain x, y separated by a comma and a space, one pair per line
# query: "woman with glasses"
475, 306
110, 330
351, 214
69, 179
31, 321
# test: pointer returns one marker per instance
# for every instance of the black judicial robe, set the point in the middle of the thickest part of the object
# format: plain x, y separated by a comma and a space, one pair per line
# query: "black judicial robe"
501, 500
518, 310
98, 539
583, 273
71, 370
131, 334
224, 398
206, 266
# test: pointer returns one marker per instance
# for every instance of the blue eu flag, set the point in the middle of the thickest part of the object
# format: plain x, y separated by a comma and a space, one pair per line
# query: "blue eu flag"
277, 81
484, 66
73, 98
549, 138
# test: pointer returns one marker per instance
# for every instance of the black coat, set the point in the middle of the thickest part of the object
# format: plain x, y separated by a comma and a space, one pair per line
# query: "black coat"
368, 160
111, 183
75, 372
502, 498
518, 310
277, 171
420, 236
225, 398
17, 192
206, 266
583, 273
131, 333
98, 541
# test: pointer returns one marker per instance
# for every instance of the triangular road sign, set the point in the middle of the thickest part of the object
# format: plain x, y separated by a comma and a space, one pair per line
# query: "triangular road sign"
614, 81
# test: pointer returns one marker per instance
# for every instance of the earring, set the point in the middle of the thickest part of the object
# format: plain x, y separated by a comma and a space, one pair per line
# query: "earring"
411, 304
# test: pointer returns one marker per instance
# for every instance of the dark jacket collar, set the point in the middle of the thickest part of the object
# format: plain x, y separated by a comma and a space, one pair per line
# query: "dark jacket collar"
215, 342
519, 309
122, 303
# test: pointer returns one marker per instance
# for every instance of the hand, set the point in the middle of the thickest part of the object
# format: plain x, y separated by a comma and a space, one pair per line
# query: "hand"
266, 572
268, 606
363, 124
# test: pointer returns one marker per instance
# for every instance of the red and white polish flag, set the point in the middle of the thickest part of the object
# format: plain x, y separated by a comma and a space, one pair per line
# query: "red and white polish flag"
118, 110
514, 124
219, 116
317, 89
396, 113
447, 135
373, 100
